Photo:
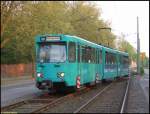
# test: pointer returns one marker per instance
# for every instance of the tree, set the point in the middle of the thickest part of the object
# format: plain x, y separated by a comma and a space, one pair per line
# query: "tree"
22, 21
127, 47
85, 21
8, 11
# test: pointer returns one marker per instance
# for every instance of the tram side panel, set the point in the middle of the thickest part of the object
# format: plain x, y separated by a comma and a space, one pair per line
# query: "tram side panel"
110, 64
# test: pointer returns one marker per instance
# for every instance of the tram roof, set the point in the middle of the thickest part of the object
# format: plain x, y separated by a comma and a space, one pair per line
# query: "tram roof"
84, 41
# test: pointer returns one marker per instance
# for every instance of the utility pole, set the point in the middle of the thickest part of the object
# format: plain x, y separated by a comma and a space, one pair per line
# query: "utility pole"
138, 48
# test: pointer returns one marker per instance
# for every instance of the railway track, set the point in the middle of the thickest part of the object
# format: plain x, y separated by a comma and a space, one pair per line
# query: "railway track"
123, 106
43, 103
33, 105
111, 99
40, 103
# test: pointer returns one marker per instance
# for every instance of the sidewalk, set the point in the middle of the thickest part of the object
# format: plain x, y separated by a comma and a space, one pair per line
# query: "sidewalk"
13, 81
137, 102
144, 83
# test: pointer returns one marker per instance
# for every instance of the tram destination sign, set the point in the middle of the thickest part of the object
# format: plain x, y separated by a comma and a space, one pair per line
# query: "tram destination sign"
50, 38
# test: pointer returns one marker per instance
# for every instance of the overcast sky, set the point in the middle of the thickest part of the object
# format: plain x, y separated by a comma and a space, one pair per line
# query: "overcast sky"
123, 18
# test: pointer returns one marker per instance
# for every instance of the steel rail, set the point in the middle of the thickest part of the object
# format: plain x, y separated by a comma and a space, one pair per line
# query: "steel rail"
15, 105
76, 111
125, 97
45, 107
49, 104
52, 102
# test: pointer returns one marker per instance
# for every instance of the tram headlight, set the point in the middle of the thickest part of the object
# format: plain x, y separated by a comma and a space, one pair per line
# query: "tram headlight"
39, 75
61, 74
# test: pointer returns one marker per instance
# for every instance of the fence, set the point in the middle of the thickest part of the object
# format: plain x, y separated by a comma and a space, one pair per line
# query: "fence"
17, 69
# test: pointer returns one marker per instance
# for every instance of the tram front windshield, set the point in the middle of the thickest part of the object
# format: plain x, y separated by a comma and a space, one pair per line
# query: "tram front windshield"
52, 52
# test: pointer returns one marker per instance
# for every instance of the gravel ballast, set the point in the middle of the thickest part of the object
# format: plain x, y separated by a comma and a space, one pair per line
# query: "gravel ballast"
73, 102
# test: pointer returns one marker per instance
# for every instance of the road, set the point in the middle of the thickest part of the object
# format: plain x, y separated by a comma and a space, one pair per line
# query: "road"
19, 92
144, 82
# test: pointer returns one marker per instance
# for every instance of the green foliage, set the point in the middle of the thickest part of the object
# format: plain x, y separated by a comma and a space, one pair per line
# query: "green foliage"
127, 47
22, 21
145, 62
141, 70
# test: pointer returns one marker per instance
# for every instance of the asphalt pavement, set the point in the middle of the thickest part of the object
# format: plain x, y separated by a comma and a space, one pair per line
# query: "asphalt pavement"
18, 92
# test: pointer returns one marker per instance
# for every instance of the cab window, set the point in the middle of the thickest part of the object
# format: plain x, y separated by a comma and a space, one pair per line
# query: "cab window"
72, 52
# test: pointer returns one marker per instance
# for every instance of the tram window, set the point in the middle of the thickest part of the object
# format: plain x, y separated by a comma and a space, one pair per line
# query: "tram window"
83, 54
97, 56
125, 60
110, 58
113, 58
78, 53
93, 57
100, 56
72, 52
88, 55
121, 60
106, 58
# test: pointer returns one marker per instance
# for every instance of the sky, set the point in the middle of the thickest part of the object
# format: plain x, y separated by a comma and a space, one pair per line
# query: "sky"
123, 18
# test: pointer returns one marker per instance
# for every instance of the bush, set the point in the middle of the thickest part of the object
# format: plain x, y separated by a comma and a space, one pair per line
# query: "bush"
141, 70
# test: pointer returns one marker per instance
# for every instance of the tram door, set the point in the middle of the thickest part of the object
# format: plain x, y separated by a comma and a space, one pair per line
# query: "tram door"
97, 62
81, 65
79, 60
